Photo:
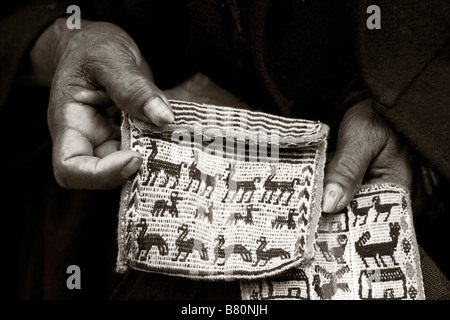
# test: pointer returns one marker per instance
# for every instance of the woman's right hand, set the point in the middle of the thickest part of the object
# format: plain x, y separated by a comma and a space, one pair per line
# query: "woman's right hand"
95, 72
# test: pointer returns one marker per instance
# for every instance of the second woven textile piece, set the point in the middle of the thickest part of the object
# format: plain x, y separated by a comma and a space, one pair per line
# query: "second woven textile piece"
368, 251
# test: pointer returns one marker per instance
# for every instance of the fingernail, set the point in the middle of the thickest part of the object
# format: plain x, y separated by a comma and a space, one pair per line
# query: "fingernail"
132, 166
157, 111
333, 194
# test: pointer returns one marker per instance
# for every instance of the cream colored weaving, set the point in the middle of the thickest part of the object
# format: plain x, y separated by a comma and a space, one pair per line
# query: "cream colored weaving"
222, 194
366, 252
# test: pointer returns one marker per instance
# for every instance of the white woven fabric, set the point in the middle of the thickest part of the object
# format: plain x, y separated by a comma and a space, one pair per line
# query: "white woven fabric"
366, 252
205, 210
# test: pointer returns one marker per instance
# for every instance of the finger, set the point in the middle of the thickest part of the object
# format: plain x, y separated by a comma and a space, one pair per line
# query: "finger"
106, 148
99, 98
360, 140
133, 91
112, 144
76, 166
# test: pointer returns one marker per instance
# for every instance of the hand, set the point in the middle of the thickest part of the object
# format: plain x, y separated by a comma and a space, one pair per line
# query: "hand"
97, 71
368, 151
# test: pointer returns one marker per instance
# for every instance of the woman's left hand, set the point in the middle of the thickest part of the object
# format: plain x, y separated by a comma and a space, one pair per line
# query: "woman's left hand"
367, 151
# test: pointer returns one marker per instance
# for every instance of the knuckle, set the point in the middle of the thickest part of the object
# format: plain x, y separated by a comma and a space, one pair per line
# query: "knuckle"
61, 179
400, 171
345, 170
62, 172
139, 91
136, 91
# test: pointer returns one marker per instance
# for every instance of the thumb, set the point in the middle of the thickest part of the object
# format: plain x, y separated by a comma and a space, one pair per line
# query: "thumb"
361, 138
132, 90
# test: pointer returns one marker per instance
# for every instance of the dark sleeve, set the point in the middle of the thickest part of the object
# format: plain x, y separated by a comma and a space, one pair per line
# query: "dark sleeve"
405, 65
20, 26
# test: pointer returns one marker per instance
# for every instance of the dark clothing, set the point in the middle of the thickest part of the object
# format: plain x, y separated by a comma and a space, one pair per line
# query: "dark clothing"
305, 59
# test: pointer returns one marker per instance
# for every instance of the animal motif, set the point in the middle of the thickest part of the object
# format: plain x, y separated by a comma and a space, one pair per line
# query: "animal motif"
327, 291
145, 241
205, 212
247, 218
187, 246
221, 252
336, 252
156, 166
280, 221
272, 187
334, 222
236, 186
361, 212
294, 284
378, 250
195, 174
382, 208
162, 206
392, 279
263, 254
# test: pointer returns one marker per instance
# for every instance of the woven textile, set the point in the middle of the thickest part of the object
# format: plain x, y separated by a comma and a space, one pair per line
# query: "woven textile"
222, 194
367, 251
